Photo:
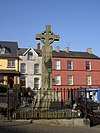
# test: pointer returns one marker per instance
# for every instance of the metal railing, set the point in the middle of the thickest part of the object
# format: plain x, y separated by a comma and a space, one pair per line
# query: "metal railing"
48, 103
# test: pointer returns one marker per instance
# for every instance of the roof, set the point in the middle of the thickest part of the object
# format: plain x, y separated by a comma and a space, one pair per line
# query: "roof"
74, 54
8, 49
63, 54
21, 51
9, 72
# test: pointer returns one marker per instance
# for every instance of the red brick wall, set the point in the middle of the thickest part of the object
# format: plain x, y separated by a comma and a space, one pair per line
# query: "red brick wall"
79, 72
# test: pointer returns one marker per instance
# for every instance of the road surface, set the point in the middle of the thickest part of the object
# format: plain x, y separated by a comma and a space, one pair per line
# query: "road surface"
13, 127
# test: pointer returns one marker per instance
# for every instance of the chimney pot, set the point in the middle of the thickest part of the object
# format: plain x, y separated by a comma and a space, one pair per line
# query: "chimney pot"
57, 49
67, 49
38, 45
89, 50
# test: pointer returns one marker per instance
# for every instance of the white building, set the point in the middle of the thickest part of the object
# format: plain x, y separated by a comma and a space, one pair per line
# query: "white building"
30, 65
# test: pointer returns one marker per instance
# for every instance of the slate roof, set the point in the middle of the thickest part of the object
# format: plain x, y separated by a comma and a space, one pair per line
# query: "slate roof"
21, 51
11, 49
63, 54
74, 54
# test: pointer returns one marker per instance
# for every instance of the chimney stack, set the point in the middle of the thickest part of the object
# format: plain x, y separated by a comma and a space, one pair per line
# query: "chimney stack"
38, 45
89, 50
57, 49
67, 49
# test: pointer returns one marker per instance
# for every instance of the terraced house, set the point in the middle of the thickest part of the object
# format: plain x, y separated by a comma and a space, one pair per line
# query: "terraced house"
9, 70
75, 69
70, 69
30, 61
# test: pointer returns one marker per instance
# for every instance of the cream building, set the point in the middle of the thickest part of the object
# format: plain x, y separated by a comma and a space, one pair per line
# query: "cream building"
30, 62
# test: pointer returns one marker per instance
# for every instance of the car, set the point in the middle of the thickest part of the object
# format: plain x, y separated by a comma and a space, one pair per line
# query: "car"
89, 103
86, 106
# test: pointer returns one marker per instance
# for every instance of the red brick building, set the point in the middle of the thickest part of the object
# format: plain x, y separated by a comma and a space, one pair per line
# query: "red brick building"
75, 69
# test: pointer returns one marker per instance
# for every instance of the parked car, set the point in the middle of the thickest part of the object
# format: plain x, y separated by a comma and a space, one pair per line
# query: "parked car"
82, 104
89, 103
86, 106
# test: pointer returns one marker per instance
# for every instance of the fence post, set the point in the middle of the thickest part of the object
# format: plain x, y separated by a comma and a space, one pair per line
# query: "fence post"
85, 103
8, 110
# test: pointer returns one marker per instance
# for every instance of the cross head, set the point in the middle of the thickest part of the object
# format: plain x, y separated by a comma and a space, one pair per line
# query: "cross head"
47, 37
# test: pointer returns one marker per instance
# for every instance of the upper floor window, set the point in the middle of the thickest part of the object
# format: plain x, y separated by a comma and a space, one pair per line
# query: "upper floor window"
36, 82
88, 65
23, 68
58, 80
57, 64
70, 80
36, 68
30, 56
69, 65
11, 63
88, 80
2, 50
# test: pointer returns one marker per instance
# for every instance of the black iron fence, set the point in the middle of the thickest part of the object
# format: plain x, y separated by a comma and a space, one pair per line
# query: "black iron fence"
53, 103
48, 103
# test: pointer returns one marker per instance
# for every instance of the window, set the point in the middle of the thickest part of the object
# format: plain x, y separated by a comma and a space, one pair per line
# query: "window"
23, 68
57, 64
88, 65
36, 83
30, 56
2, 50
88, 80
70, 80
36, 68
23, 81
58, 95
11, 63
69, 65
58, 80
1, 79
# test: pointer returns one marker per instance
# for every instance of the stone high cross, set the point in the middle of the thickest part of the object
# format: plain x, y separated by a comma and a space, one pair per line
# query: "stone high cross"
47, 37
42, 98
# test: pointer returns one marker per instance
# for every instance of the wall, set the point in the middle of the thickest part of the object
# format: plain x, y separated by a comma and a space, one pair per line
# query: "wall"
29, 75
79, 72
3, 64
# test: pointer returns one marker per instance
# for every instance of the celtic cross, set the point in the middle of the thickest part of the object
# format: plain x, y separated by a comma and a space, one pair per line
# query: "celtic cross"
47, 37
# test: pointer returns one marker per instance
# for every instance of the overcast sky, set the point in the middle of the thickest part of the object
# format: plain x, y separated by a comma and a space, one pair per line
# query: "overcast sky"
77, 22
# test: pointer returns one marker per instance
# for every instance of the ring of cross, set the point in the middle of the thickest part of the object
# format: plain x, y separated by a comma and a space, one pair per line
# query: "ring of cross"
47, 38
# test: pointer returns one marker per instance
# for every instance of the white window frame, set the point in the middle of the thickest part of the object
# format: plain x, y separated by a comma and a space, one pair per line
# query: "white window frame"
88, 65
2, 50
36, 83
88, 80
36, 69
57, 80
57, 65
58, 95
30, 56
11, 63
23, 70
69, 65
70, 80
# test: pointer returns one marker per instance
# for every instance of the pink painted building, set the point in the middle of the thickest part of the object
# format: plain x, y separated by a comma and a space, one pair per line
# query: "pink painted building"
75, 69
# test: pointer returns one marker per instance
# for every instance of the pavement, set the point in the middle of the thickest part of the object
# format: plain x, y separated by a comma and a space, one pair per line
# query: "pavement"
21, 127
77, 122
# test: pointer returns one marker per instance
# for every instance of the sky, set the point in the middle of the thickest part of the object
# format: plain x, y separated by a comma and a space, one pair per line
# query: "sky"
77, 22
